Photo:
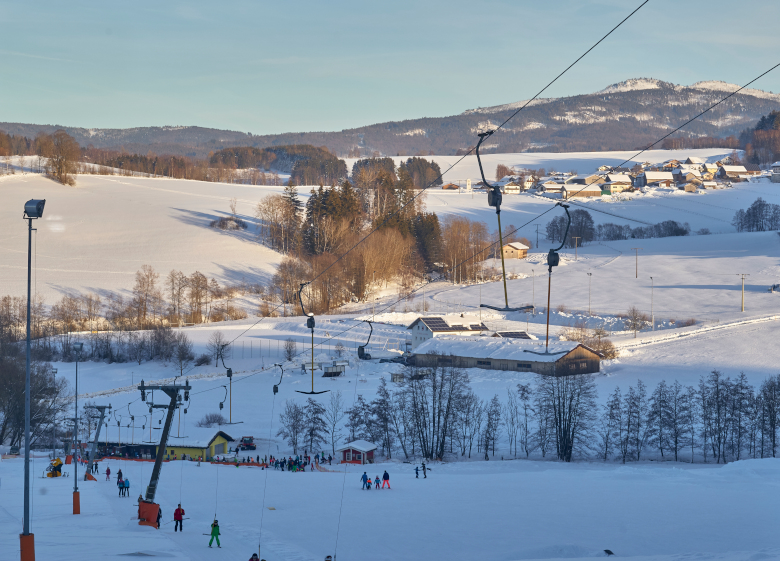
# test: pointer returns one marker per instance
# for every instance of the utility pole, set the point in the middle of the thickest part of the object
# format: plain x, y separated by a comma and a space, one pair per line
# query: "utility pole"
743, 288
589, 278
533, 293
652, 314
636, 251
575, 238
537, 236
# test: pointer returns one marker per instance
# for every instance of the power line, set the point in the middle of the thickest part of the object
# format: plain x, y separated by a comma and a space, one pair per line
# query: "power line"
441, 175
686, 123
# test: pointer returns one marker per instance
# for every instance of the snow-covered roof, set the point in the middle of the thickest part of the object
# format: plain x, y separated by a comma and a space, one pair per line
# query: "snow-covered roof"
496, 348
733, 169
619, 178
359, 445
437, 324
579, 187
517, 245
694, 160
657, 175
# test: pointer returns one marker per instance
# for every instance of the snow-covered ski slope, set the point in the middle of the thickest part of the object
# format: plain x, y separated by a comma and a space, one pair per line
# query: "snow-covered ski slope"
96, 235
493, 510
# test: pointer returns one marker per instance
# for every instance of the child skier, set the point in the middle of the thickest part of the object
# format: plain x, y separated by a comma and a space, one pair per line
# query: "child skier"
416, 472
127, 487
121, 485
214, 533
108, 473
376, 482
369, 484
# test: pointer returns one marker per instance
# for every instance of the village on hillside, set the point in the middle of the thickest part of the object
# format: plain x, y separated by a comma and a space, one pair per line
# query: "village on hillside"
689, 174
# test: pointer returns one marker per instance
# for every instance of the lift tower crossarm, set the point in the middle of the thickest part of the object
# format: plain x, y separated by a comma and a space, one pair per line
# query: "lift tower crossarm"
173, 393
93, 453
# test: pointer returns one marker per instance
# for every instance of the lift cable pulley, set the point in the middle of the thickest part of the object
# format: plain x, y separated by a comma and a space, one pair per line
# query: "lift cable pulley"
276, 386
362, 354
494, 200
553, 259
310, 323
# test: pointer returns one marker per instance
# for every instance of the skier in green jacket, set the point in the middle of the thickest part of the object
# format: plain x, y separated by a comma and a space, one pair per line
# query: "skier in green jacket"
214, 533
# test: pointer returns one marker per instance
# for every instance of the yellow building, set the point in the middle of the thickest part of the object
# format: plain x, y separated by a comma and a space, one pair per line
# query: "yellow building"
218, 445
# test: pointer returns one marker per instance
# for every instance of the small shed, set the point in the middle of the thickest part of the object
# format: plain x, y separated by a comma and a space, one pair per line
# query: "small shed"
218, 444
515, 250
357, 452
571, 190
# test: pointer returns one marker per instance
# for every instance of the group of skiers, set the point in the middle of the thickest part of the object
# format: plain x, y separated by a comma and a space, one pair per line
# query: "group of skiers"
122, 484
366, 479
299, 463
424, 470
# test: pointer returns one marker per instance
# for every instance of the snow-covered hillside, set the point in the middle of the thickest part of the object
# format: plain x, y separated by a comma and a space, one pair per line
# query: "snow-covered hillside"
96, 235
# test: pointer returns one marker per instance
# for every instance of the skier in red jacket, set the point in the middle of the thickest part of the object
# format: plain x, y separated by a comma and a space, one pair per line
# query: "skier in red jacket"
178, 515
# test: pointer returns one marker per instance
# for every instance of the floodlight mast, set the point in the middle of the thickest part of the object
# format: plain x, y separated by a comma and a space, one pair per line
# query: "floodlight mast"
33, 209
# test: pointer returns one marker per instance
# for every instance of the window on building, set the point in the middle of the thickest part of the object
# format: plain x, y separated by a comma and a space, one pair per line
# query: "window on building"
349, 456
524, 365
483, 363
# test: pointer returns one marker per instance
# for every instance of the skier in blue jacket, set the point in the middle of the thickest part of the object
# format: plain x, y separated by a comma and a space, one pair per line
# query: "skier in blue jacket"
364, 479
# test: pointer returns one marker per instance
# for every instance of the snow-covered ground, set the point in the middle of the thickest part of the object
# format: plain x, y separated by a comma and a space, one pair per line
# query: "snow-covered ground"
96, 235
463, 511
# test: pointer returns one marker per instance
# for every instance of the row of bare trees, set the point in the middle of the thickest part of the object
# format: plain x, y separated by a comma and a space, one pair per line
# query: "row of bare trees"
434, 413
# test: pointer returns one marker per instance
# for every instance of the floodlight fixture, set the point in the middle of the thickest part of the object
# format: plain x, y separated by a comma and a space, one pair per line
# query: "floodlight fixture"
34, 208
78, 347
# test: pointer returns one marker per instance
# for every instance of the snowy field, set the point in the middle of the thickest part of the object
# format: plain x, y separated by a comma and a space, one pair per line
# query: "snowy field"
96, 235
492, 510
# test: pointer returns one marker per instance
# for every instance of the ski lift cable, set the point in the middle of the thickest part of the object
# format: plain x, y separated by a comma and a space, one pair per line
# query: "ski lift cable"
265, 481
419, 288
441, 175
689, 121
344, 481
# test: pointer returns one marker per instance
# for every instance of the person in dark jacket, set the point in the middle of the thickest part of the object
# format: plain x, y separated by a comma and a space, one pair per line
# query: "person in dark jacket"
386, 480
364, 479
416, 472
159, 517
121, 484
178, 516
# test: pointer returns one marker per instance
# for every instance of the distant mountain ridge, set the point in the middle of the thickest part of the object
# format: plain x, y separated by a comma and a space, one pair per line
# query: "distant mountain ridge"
622, 116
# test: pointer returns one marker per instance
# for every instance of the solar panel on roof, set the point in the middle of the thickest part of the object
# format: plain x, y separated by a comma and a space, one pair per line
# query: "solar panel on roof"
436, 324
513, 334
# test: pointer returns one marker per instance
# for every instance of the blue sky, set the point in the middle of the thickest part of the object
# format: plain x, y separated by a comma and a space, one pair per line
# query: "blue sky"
268, 67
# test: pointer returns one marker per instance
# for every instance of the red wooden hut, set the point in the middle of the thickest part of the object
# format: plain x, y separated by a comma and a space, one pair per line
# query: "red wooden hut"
357, 452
